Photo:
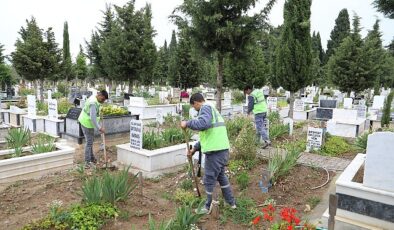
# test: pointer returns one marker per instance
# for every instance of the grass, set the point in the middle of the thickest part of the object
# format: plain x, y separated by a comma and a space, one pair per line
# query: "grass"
313, 201
280, 166
244, 213
335, 146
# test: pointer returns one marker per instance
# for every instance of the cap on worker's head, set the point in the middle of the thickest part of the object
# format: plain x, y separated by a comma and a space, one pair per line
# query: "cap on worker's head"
197, 97
104, 93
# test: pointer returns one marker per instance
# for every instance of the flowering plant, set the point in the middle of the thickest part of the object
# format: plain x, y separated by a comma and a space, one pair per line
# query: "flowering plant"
288, 219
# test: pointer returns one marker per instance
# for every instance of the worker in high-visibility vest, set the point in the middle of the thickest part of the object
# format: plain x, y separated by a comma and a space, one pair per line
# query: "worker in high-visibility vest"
215, 145
258, 106
89, 119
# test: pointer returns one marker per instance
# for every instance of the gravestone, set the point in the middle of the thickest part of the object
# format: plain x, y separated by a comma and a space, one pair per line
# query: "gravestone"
290, 122
193, 113
136, 132
227, 96
379, 170
314, 138
361, 102
344, 114
159, 116
210, 96
378, 102
137, 101
31, 106
324, 113
347, 103
117, 92
299, 105
52, 109
73, 113
176, 93
328, 103
272, 103
152, 91
361, 111
49, 94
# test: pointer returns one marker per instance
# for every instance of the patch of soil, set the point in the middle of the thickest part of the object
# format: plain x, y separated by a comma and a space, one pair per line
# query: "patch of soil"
26, 201
359, 177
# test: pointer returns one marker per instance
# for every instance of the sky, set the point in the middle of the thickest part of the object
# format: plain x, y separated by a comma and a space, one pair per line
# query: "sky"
83, 17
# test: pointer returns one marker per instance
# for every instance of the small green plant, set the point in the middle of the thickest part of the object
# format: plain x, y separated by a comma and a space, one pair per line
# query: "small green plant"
109, 188
184, 197
185, 218
243, 180
244, 147
62, 88
43, 144
25, 91
161, 226
279, 165
151, 140
313, 201
246, 210
185, 111
335, 146
111, 110
57, 95
278, 130
18, 138
235, 125
186, 184
282, 104
361, 141
42, 108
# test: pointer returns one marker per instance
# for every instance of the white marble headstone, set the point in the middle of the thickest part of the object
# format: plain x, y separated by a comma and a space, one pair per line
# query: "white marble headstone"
159, 115
137, 101
378, 102
379, 170
193, 113
344, 114
314, 138
210, 96
272, 103
299, 105
31, 106
136, 132
52, 109
347, 103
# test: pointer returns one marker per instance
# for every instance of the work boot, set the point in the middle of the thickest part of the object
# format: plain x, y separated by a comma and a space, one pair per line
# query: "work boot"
204, 210
266, 144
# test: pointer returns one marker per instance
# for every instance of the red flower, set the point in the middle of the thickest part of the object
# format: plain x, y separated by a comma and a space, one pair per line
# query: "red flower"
289, 227
256, 220
296, 220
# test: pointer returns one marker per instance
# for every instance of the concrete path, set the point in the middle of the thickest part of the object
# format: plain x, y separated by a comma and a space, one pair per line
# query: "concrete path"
310, 159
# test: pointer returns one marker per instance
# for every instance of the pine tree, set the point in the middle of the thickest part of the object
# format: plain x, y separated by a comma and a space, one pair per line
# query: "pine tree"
350, 66
173, 68
80, 67
341, 30
386, 7
66, 61
221, 28
161, 65
294, 55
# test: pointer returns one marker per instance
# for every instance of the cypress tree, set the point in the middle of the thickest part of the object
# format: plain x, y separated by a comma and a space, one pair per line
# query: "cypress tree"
2, 56
66, 61
387, 110
386, 7
341, 30
294, 55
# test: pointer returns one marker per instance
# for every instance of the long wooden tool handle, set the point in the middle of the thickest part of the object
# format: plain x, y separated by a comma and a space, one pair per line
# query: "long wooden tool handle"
191, 163
103, 139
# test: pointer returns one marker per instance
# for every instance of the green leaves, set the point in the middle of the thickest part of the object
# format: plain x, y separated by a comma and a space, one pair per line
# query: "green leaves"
44, 144
16, 139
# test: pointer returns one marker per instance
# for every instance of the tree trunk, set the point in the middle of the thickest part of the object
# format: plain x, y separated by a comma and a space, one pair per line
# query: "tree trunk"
219, 82
291, 106
130, 86
42, 90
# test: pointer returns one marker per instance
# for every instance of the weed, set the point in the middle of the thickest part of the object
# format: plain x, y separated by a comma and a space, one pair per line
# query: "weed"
335, 146
313, 201
43, 144
246, 210
238, 96
167, 196
184, 197
361, 141
243, 180
124, 215
279, 166
244, 147
234, 126
186, 184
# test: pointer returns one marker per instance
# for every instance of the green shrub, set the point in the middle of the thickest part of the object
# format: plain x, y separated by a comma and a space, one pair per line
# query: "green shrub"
111, 110
16, 139
170, 136
57, 95
361, 141
274, 118
282, 104
238, 97
185, 111
278, 130
387, 110
63, 105
335, 146
42, 108
243, 180
63, 89
186, 218
92, 216
244, 146
234, 126
25, 91
43, 144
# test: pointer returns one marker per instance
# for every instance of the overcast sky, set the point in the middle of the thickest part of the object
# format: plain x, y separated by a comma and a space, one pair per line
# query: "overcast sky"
83, 15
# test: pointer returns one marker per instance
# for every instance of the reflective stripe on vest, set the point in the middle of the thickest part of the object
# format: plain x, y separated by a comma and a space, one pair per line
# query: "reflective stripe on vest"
214, 138
260, 105
84, 117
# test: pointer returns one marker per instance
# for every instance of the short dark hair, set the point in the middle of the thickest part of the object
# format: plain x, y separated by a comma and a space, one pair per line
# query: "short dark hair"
247, 87
104, 93
197, 97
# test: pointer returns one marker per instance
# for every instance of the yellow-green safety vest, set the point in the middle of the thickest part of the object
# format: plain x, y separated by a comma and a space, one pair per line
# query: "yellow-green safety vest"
260, 105
84, 117
215, 138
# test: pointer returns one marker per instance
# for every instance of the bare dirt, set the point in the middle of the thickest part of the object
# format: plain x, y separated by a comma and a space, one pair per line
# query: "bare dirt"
25, 201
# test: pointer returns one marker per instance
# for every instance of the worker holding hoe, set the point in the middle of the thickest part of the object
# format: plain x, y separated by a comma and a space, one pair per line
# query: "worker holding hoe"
215, 145
89, 119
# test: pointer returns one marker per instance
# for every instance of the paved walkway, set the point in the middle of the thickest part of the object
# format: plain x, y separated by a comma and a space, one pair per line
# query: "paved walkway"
310, 159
